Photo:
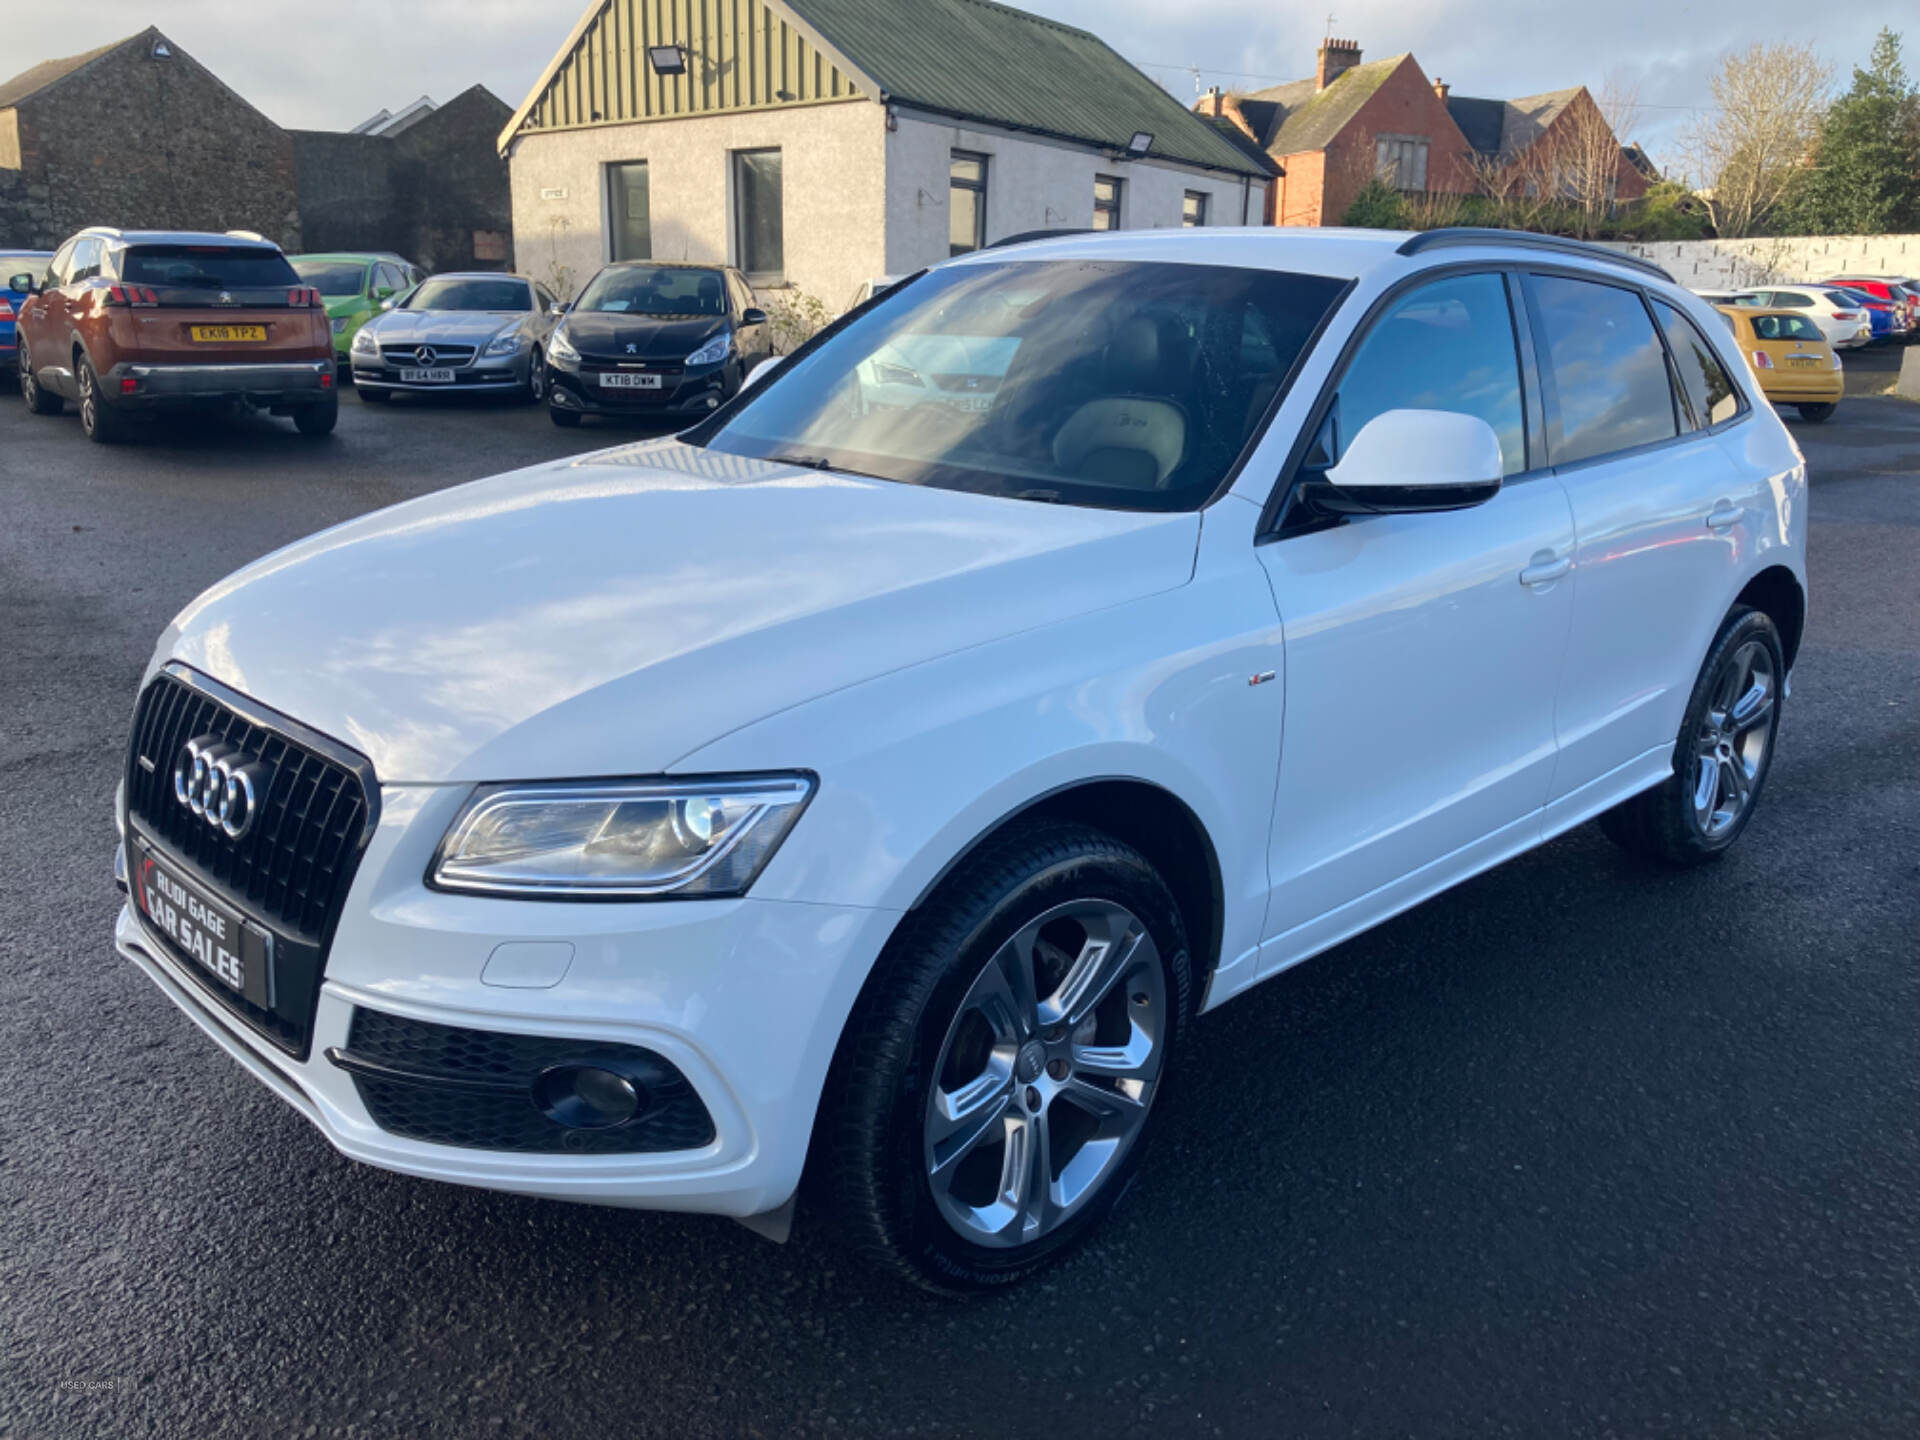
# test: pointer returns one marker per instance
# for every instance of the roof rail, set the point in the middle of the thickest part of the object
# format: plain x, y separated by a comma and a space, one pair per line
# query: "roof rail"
1029, 235
247, 235
1528, 239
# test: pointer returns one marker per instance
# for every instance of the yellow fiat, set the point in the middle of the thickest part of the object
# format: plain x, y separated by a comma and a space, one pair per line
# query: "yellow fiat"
1789, 357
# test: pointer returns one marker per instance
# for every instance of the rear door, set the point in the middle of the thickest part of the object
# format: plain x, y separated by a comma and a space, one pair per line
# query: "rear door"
1422, 651
222, 305
1660, 513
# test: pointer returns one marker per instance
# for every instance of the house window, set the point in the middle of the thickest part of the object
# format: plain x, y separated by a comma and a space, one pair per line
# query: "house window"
759, 228
967, 203
1401, 161
1106, 202
630, 227
1193, 209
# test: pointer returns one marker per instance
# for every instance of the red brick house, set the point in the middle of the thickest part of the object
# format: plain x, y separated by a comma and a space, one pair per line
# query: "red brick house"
1330, 134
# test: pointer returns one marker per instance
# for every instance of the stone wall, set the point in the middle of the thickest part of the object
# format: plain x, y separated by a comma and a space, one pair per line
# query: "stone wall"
426, 193
1783, 260
142, 143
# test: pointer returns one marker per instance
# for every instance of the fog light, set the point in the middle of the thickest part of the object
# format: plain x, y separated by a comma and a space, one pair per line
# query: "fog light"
713, 402
586, 1097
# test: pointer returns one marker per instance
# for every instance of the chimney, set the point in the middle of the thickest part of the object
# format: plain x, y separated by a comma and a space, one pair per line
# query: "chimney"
1440, 89
1210, 102
1336, 58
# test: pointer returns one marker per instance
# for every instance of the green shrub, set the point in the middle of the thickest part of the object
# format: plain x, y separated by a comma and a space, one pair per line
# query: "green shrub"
1378, 206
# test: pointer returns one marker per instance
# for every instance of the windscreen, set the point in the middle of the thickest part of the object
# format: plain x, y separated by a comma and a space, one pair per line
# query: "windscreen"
333, 278
207, 267
1117, 384
454, 292
655, 290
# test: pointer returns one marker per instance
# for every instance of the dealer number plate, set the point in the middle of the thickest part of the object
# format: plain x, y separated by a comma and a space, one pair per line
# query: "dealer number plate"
207, 933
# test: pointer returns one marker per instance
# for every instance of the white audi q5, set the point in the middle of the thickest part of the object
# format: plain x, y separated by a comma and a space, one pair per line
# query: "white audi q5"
857, 796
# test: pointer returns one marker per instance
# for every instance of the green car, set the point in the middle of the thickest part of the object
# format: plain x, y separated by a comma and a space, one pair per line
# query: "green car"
353, 287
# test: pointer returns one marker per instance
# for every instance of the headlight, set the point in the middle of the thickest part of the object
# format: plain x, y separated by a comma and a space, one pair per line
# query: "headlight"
631, 839
506, 344
364, 343
339, 323
714, 351
560, 348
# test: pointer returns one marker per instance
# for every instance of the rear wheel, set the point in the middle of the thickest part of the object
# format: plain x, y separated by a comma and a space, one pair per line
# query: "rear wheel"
1816, 412
565, 419
98, 419
319, 419
995, 1087
40, 400
1723, 754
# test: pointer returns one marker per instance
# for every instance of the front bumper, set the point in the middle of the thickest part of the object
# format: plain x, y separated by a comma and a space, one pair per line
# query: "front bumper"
745, 998
259, 383
507, 373
682, 393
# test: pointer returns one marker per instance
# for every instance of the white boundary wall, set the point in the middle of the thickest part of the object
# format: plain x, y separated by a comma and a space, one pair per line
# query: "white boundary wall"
1781, 260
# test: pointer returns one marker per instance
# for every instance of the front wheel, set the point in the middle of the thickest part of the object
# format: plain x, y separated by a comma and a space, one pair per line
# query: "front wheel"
994, 1090
1723, 754
1817, 413
535, 389
40, 400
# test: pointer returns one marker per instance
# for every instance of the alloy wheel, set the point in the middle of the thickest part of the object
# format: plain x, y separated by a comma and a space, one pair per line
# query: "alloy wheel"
89, 399
1730, 753
1046, 1073
29, 387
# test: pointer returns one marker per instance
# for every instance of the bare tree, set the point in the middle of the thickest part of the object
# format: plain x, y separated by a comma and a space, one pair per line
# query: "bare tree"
1586, 154
1743, 154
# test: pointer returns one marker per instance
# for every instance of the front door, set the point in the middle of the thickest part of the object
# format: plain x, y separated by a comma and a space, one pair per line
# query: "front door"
1422, 651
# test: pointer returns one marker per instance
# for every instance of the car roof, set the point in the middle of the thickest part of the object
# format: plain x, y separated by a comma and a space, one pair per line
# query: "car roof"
366, 256
482, 275
667, 265
1335, 252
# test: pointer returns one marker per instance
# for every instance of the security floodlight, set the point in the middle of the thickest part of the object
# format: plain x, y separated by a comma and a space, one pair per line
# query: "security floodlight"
667, 59
1141, 142
160, 51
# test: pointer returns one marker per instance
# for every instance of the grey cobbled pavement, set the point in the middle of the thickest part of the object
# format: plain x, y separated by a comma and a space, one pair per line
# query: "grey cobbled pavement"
1580, 1148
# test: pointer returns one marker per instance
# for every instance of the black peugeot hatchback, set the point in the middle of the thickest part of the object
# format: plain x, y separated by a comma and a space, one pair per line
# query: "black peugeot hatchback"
655, 338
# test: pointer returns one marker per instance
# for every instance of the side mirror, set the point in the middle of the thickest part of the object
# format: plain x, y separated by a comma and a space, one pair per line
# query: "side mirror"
23, 283
1412, 461
752, 316
386, 302
761, 372
557, 309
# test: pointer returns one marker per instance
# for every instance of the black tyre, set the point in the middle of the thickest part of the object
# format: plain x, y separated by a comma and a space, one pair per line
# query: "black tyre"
40, 400
565, 419
536, 387
98, 419
318, 419
373, 397
1816, 413
1722, 756
993, 1093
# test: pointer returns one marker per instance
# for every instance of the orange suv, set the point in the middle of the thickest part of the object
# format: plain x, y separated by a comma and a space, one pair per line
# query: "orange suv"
129, 322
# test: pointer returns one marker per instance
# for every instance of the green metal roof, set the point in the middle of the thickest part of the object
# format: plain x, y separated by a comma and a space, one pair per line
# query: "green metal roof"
976, 60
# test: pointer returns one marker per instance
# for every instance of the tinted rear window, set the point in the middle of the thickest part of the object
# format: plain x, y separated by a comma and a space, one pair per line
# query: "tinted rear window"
1118, 384
1609, 370
207, 267
1709, 392
1785, 327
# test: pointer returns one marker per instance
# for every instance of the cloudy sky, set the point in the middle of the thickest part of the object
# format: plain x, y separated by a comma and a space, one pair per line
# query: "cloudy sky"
329, 65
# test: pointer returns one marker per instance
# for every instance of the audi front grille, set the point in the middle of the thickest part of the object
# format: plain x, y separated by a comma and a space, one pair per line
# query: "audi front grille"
288, 871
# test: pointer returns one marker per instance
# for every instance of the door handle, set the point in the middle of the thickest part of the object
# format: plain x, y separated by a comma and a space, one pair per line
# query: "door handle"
1546, 568
1725, 513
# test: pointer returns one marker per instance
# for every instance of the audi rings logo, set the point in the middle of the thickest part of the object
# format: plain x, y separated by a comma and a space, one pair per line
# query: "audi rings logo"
212, 780
426, 354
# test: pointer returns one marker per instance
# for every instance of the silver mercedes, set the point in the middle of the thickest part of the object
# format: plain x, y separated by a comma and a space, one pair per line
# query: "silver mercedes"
482, 331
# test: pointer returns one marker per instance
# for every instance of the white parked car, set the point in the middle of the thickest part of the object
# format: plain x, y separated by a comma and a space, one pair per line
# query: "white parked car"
1843, 324
869, 798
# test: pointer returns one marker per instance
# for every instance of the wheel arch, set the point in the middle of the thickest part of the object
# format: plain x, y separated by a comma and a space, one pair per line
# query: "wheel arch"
1776, 592
1152, 819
